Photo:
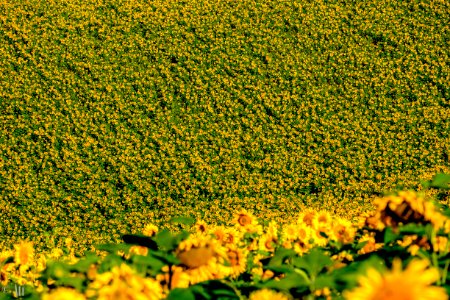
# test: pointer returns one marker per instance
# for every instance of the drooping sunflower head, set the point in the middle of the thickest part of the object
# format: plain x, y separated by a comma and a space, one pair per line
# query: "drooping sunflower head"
202, 258
406, 207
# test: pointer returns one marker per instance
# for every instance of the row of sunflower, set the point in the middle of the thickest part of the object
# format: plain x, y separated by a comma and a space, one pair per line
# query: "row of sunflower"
399, 251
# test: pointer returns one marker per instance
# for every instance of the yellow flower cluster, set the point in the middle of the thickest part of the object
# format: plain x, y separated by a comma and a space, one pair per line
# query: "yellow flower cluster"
116, 112
217, 252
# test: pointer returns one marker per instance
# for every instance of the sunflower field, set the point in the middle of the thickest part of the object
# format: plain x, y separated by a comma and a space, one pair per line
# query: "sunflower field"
206, 149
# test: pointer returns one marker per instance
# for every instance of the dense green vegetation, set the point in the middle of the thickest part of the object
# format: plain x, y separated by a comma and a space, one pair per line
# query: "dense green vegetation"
114, 114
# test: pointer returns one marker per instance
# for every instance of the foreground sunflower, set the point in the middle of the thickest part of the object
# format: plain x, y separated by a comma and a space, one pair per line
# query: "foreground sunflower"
414, 283
202, 258
266, 294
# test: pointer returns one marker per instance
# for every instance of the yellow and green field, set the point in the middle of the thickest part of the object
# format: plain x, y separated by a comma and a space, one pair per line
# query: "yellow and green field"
119, 116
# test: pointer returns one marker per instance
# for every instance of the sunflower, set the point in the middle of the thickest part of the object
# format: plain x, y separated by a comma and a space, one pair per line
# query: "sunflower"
414, 283
202, 258
306, 217
266, 294
24, 253
237, 259
322, 218
138, 250
268, 242
123, 283
150, 230
201, 226
343, 231
406, 207
177, 278
371, 244
290, 232
63, 293
246, 221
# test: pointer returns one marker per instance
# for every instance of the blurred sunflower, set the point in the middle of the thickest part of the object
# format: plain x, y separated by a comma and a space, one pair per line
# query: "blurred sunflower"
343, 231
414, 283
306, 217
237, 259
63, 293
266, 294
24, 253
246, 221
370, 246
202, 258
123, 283
406, 207
150, 230
201, 226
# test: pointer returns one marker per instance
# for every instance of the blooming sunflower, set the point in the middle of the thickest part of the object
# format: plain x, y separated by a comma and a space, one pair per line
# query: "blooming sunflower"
268, 242
63, 293
414, 283
343, 231
266, 294
371, 244
150, 230
237, 259
24, 253
201, 226
123, 283
290, 232
306, 217
202, 258
246, 221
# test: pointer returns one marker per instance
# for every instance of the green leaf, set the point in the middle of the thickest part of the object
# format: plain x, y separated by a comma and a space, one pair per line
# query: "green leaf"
166, 258
166, 241
390, 235
413, 229
84, 264
286, 283
75, 282
280, 256
441, 181
215, 289
181, 294
347, 277
153, 263
324, 280
109, 262
182, 220
281, 269
361, 245
113, 248
314, 262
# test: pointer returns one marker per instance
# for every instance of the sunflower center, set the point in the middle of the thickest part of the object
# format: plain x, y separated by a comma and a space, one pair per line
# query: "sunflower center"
196, 257
244, 220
